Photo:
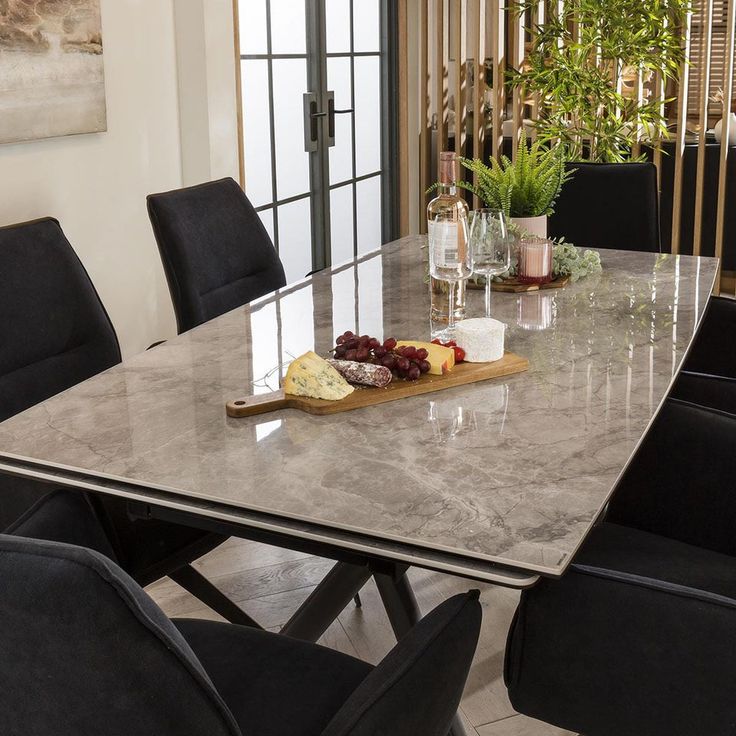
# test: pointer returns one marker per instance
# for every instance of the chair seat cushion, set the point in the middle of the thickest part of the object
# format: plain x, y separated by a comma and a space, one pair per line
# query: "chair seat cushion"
274, 685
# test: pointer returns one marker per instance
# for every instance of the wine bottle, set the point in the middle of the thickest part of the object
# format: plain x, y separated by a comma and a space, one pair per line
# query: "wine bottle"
447, 220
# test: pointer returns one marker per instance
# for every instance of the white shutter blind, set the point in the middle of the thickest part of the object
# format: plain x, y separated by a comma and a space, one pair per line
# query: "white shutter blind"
717, 57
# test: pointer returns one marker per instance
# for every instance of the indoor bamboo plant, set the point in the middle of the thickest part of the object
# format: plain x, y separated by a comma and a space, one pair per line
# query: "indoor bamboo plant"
584, 66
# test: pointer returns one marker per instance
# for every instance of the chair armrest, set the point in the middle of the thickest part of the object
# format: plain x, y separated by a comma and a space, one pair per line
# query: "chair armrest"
679, 483
715, 392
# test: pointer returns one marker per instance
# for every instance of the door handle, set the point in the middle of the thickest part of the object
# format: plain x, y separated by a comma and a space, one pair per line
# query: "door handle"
311, 122
331, 111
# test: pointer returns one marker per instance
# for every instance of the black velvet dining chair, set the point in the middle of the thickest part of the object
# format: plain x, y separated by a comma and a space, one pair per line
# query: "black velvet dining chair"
708, 375
87, 652
215, 250
639, 636
55, 333
609, 206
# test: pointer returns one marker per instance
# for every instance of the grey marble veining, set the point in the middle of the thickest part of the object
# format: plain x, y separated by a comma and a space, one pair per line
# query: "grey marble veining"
512, 471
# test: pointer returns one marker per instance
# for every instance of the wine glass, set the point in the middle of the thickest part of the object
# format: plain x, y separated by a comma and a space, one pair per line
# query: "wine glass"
450, 257
490, 246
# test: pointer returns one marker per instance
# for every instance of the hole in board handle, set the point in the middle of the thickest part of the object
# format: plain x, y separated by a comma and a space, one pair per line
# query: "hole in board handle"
239, 403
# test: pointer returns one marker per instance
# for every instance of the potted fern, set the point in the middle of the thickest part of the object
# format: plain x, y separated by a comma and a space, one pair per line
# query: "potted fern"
524, 190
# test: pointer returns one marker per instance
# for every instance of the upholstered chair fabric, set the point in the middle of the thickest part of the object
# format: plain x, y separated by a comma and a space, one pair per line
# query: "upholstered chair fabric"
87, 652
639, 636
417, 688
708, 376
215, 250
609, 206
55, 333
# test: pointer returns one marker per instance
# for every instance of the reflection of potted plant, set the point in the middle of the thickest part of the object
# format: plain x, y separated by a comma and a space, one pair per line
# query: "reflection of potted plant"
719, 98
526, 189
586, 63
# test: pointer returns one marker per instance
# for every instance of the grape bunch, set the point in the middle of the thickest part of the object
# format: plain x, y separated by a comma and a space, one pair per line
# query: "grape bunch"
405, 362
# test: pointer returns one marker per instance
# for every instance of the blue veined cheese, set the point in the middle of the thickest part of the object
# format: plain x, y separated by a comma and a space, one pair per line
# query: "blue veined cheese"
312, 376
481, 339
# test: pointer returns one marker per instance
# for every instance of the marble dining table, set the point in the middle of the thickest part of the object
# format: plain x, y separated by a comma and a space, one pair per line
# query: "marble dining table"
498, 481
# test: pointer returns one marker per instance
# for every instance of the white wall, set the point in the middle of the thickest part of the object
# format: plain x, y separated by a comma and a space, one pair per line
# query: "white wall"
96, 184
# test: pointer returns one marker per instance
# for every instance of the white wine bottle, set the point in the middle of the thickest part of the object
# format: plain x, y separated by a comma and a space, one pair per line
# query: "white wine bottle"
447, 226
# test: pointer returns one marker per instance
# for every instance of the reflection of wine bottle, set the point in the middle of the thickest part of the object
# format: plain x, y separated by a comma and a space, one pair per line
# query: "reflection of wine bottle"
447, 217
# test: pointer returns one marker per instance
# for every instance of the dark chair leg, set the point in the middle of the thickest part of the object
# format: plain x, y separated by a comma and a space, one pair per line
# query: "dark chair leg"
327, 601
358, 602
198, 585
403, 613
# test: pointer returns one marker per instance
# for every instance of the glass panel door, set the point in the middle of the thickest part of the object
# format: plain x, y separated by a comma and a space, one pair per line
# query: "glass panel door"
315, 98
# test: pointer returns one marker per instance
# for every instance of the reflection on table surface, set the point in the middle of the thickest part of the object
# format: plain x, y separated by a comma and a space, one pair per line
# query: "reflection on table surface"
513, 470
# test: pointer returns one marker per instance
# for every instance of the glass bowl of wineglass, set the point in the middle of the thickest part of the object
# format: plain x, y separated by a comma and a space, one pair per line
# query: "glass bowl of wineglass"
490, 245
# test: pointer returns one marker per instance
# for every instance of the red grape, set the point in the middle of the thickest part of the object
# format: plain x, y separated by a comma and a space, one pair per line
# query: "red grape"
389, 360
424, 366
410, 351
362, 355
403, 364
350, 354
379, 352
347, 333
340, 351
389, 344
422, 354
374, 343
413, 373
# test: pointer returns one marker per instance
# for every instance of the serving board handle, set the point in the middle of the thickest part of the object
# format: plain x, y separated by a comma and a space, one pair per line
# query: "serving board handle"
262, 404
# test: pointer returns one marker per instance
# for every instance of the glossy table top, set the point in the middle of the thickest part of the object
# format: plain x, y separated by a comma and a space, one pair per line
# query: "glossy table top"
506, 474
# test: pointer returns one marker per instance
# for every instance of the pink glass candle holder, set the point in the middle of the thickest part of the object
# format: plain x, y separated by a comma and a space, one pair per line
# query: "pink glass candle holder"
535, 260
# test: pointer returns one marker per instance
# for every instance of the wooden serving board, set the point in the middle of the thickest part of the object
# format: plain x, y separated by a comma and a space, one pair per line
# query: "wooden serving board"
514, 286
462, 373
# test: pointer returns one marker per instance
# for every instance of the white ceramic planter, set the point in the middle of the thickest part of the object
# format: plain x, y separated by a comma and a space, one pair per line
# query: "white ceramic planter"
532, 225
731, 131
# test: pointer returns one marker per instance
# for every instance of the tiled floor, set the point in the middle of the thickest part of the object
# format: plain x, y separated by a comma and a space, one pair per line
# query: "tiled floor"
270, 583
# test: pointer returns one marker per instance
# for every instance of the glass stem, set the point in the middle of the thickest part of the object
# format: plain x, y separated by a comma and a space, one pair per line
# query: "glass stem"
451, 315
488, 295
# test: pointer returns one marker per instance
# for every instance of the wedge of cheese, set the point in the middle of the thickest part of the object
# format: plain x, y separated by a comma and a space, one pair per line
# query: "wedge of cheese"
309, 375
441, 359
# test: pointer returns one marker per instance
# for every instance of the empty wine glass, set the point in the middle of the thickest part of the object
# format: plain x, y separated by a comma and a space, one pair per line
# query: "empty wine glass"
450, 257
490, 246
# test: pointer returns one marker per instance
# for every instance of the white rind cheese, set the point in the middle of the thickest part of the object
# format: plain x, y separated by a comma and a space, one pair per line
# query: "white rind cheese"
312, 376
481, 339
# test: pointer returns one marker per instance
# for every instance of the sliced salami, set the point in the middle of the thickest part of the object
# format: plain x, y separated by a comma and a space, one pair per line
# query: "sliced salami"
366, 374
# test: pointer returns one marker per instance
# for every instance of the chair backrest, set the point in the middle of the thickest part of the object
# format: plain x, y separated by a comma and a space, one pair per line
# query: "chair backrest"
609, 206
679, 482
54, 331
85, 651
417, 688
215, 250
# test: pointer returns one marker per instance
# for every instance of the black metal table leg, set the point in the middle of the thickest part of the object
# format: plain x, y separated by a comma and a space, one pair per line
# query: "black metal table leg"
198, 585
403, 613
327, 601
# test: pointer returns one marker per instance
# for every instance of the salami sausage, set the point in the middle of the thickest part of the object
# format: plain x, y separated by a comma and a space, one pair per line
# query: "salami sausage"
366, 374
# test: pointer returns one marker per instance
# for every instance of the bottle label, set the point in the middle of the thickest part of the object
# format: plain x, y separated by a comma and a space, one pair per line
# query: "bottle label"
443, 242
